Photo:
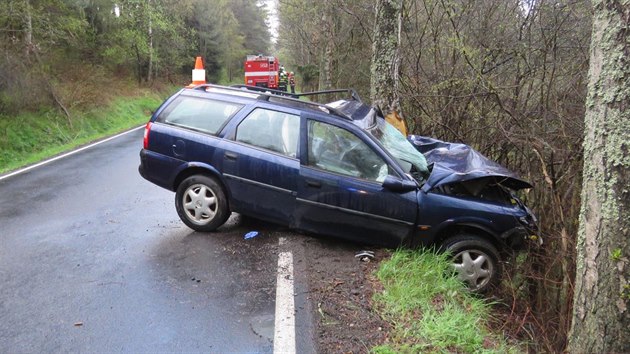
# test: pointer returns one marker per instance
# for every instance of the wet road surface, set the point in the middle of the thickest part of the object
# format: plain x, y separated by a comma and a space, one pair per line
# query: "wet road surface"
94, 258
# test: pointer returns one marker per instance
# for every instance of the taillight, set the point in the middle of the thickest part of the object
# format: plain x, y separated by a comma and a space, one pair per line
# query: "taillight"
147, 129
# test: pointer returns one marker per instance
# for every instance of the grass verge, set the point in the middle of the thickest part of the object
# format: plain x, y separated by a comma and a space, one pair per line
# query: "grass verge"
33, 136
430, 310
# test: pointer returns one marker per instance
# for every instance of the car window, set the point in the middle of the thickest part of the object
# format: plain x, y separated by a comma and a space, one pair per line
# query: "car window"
337, 150
198, 113
409, 158
271, 130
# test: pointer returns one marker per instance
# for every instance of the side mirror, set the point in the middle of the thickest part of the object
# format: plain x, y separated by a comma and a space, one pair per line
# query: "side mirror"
396, 184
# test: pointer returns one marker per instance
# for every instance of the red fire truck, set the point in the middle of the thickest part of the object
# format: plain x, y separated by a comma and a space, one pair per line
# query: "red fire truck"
262, 71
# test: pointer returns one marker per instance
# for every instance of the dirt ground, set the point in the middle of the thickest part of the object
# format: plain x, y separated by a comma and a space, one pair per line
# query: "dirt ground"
341, 288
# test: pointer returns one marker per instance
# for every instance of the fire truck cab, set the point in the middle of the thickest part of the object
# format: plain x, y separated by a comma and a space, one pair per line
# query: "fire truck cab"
262, 71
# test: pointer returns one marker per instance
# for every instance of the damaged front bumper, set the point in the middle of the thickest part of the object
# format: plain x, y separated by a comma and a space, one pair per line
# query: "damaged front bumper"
522, 237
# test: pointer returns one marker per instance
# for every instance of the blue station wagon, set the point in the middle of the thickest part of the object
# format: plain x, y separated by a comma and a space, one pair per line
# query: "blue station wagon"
336, 169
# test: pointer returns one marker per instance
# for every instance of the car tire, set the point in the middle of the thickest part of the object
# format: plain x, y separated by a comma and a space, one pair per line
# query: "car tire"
201, 203
475, 260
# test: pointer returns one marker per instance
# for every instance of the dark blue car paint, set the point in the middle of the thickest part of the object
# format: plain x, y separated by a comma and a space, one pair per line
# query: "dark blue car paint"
456, 162
347, 207
285, 190
262, 183
441, 212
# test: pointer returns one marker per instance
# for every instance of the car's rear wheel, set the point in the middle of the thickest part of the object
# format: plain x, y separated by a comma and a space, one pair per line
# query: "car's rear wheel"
475, 260
201, 203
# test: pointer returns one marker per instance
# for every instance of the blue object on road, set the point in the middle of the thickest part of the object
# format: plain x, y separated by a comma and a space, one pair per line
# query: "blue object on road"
251, 234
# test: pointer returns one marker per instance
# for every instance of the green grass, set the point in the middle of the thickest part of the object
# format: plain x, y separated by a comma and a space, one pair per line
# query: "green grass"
33, 136
430, 310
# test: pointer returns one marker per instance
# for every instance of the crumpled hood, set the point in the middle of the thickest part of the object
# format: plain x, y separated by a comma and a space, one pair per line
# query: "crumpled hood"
453, 162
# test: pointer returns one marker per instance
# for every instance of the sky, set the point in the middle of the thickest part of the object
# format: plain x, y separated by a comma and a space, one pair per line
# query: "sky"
273, 19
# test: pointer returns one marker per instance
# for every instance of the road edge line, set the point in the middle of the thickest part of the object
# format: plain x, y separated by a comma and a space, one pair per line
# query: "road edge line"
284, 325
28, 168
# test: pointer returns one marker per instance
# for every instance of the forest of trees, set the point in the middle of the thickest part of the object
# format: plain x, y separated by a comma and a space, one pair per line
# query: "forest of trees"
64, 52
508, 77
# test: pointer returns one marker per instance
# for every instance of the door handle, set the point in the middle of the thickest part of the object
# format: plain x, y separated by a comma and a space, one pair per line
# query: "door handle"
313, 184
231, 155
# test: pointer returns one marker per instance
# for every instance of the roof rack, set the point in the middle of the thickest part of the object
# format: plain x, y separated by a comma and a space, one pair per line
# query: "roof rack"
352, 92
266, 93
264, 90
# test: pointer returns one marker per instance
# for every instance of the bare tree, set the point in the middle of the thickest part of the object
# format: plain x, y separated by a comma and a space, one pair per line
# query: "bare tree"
28, 31
150, 35
328, 29
508, 79
601, 314
385, 70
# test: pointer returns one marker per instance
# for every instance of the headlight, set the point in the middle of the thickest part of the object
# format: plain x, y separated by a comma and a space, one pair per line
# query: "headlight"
537, 239
531, 215
527, 221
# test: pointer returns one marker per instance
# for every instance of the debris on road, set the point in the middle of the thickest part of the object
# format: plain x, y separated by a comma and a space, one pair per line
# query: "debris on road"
365, 256
251, 234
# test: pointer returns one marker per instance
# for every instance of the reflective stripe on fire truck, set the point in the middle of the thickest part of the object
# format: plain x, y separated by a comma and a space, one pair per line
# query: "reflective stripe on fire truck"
260, 73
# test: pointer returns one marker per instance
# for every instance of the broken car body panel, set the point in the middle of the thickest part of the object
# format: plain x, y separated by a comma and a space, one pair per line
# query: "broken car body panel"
455, 162
462, 189
471, 191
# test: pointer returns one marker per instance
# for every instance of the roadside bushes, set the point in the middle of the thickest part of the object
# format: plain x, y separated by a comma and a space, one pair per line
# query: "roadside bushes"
430, 309
20, 88
31, 136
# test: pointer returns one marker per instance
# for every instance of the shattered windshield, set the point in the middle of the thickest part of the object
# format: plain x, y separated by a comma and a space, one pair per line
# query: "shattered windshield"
410, 159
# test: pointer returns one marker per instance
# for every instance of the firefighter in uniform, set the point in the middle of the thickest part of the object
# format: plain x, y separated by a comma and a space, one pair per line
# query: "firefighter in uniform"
292, 81
282, 82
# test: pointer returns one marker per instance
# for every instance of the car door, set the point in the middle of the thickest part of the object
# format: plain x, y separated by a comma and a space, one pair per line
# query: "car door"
184, 132
340, 190
261, 167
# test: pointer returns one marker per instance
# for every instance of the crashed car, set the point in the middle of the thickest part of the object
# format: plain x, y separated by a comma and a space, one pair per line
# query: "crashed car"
336, 169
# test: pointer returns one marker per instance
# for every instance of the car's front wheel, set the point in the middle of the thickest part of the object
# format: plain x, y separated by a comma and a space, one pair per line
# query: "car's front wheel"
475, 260
201, 203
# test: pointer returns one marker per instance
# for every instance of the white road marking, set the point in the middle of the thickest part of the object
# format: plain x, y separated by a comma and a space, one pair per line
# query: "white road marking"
284, 327
68, 153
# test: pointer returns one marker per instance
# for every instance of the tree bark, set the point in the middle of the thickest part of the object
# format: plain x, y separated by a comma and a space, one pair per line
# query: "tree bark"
601, 313
327, 58
385, 69
150, 71
28, 32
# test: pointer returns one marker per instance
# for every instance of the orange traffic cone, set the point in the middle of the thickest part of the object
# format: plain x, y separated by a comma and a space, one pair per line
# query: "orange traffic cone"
198, 74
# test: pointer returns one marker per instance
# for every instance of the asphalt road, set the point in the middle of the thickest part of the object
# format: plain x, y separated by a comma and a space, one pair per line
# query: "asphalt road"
93, 258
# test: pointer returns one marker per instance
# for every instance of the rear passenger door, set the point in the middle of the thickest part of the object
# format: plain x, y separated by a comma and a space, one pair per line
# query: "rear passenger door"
261, 164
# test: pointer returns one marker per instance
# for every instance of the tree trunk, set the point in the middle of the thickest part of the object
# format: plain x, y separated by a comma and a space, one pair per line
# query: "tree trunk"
28, 32
325, 82
385, 70
138, 64
601, 313
150, 71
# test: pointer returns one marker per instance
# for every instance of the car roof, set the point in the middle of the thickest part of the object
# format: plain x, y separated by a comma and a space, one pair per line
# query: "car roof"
349, 110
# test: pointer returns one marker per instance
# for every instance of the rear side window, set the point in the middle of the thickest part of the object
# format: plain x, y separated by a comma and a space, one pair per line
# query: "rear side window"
198, 113
271, 130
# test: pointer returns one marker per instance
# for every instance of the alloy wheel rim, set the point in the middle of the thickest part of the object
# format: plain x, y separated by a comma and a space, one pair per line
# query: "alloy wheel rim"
474, 267
200, 204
